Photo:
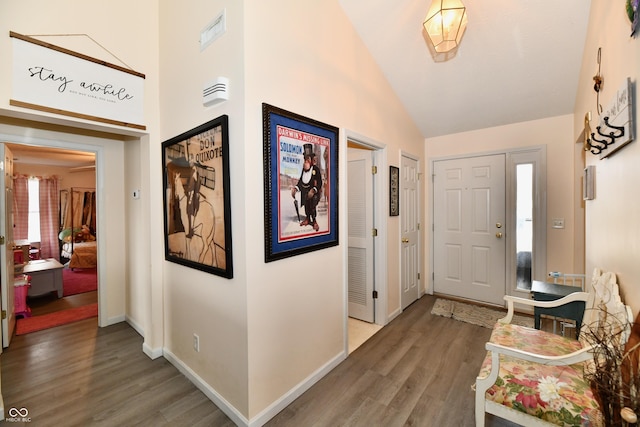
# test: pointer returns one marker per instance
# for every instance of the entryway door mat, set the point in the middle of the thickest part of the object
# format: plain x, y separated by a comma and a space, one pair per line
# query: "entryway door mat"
475, 314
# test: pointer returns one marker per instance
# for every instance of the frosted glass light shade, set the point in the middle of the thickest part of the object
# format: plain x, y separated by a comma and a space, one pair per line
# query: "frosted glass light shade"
445, 23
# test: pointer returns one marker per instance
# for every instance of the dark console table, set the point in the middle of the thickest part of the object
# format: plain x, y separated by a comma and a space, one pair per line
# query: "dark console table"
545, 291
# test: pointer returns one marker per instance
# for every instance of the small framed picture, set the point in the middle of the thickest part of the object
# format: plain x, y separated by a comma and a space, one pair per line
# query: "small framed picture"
394, 191
300, 184
197, 204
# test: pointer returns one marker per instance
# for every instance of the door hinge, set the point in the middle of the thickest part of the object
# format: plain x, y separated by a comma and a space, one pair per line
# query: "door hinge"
4, 314
375, 294
1, 240
374, 170
433, 275
374, 232
418, 226
418, 276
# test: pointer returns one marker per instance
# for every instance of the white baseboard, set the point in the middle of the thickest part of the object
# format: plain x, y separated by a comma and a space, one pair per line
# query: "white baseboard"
153, 353
116, 319
296, 391
213, 395
395, 314
135, 325
270, 411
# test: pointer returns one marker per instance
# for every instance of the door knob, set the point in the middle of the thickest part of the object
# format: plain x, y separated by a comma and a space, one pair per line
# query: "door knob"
499, 235
405, 240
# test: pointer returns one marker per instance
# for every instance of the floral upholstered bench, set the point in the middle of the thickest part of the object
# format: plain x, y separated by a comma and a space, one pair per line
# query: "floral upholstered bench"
536, 378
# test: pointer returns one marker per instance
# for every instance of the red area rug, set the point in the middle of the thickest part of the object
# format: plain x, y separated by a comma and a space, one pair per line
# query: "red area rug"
46, 321
79, 281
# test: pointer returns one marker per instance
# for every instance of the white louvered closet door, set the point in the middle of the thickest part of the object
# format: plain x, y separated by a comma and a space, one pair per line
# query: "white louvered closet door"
360, 216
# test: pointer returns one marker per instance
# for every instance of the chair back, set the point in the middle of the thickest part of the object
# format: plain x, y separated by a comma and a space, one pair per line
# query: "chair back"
606, 317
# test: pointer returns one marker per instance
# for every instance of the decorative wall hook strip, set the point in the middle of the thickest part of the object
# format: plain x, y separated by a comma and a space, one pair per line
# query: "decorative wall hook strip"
609, 139
620, 129
596, 149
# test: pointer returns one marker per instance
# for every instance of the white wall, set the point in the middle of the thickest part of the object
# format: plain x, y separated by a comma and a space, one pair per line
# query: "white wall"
305, 57
613, 218
213, 307
556, 133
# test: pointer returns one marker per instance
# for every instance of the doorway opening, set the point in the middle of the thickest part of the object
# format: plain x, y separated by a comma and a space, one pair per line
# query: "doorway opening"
67, 252
366, 291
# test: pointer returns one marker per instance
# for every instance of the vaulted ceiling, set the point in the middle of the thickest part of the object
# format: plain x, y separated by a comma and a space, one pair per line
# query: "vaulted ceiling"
519, 60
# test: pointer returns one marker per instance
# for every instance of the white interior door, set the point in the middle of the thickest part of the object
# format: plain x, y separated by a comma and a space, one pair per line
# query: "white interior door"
360, 213
469, 229
409, 220
6, 249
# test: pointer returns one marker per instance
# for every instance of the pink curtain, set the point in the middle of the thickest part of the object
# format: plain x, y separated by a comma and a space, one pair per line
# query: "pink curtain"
49, 217
20, 208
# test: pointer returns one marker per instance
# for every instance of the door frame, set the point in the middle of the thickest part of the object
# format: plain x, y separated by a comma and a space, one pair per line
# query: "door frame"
539, 266
379, 160
100, 202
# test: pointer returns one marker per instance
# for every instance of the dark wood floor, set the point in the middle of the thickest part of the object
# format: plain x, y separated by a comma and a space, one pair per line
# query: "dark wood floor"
418, 371
50, 303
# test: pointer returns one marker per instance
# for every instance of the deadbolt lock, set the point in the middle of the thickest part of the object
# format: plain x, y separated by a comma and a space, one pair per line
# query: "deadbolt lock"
498, 225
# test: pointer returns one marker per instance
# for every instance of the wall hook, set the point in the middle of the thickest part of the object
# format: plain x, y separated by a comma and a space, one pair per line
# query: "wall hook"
607, 139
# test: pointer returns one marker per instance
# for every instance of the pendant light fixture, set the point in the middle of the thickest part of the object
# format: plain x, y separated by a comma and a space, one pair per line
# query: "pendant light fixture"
445, 24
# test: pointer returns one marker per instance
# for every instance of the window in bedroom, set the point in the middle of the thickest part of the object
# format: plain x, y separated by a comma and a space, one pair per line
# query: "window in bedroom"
34, 210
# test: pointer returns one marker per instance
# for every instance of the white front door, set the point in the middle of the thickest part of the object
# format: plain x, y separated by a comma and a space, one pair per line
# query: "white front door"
6, 248
360, 213
410, 232
469, 228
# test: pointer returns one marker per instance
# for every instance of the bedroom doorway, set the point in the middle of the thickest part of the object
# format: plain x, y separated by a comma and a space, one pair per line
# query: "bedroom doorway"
56, 233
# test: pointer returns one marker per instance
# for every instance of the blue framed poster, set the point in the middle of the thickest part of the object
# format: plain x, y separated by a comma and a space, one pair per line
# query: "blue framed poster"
300, 183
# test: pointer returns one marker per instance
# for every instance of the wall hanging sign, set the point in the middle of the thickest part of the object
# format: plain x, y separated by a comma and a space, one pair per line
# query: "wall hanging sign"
57, 80
197, 198
301, 184
615, 127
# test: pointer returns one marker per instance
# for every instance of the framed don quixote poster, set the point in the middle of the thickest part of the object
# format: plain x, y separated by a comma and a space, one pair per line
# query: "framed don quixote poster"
301, 183
197, 205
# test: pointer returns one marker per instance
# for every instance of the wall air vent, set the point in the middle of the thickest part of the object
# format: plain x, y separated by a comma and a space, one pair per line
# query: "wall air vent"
215, 91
